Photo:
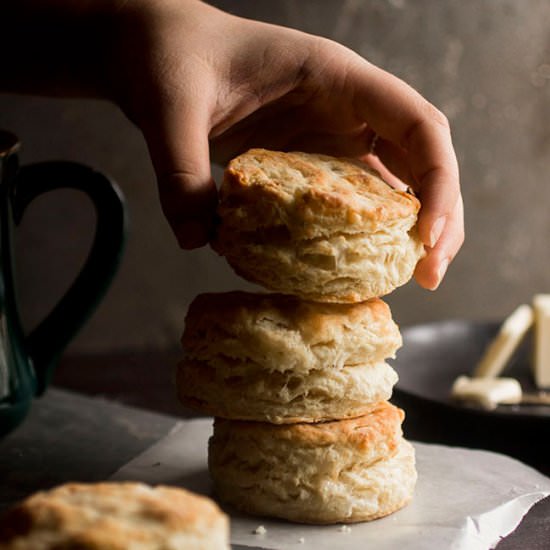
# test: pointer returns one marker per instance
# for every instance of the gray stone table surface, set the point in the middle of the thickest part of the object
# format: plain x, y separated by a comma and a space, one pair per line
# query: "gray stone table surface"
70, 437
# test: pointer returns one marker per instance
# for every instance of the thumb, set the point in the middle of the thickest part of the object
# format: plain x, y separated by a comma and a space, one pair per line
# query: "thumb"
178, 144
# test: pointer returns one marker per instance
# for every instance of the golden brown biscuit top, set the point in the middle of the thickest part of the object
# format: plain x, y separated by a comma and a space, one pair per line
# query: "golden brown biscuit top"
315, 321
383, 421
107, 515
264, 188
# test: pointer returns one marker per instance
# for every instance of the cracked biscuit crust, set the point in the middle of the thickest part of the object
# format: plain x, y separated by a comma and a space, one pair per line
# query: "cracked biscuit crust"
323, 228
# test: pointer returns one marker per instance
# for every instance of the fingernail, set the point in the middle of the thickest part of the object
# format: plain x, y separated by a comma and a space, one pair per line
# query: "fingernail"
191, 234
441, 271
437, 229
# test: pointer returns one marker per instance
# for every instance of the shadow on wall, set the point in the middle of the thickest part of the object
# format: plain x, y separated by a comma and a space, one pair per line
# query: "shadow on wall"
485, 64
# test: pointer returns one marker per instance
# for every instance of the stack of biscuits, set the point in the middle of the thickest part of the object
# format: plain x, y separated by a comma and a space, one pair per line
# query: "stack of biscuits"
297, 379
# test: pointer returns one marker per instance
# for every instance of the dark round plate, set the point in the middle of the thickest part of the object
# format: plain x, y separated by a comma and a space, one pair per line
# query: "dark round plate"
432, 357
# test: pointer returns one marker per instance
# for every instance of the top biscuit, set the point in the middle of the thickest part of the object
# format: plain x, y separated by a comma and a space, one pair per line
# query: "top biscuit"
323, 228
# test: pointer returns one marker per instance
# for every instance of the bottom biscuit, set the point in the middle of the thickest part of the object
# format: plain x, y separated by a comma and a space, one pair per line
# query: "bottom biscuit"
324, 474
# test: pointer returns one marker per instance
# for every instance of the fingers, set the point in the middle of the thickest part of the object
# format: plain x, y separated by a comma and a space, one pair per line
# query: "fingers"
401, 116
434, 167
431, 269
177, 139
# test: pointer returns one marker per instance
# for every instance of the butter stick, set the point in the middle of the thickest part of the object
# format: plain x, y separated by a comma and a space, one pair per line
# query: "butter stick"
541, 358
487, 392
500, 350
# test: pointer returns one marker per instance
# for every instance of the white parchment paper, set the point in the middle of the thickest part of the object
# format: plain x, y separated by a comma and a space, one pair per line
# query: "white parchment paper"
464, 499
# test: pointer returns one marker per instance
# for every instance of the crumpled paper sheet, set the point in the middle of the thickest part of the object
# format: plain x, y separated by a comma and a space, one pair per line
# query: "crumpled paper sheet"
464, 499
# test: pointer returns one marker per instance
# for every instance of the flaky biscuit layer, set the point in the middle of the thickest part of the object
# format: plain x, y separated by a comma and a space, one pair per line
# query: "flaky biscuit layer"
248, 332
284, 397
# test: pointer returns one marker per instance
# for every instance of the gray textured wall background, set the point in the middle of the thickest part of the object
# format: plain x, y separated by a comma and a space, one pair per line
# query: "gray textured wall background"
485, 63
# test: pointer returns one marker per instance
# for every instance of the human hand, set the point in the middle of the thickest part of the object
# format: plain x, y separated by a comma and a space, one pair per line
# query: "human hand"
200, 82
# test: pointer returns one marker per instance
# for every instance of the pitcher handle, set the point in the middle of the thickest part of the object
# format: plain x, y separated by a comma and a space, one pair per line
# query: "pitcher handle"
46, 342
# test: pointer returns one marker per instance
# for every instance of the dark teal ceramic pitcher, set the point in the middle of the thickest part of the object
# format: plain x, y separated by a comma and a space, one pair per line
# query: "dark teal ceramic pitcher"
27, 360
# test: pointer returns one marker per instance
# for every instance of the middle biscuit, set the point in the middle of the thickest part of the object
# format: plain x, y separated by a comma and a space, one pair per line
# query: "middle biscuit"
279, 359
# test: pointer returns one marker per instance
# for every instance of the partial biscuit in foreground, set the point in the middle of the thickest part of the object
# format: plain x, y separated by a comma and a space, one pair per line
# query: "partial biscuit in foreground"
114, 516
323, 228
276, 358
335, 472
